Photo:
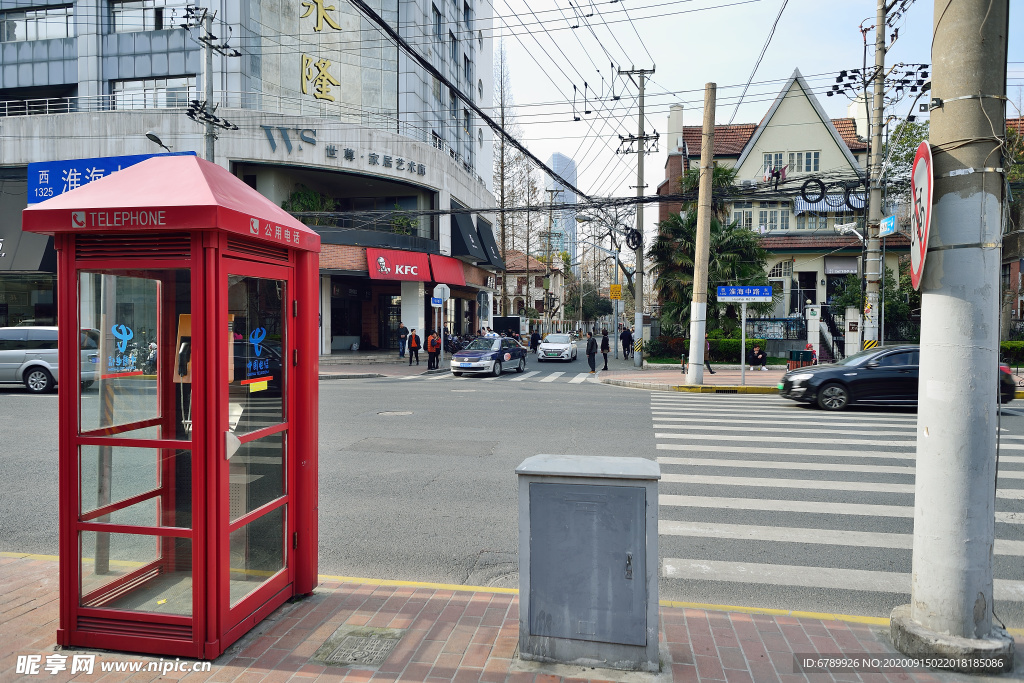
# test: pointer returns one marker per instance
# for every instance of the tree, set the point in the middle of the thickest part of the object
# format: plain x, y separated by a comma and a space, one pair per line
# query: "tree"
902, 302
303, 199
901, 150
735, 257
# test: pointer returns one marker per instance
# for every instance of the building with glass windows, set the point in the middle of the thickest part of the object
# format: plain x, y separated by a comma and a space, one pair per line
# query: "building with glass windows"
563, 227
324, 113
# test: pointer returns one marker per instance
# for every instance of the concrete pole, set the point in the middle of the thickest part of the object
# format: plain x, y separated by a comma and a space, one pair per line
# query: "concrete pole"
699, 306
615, 303
872, 271
208, 83
743, 344
951, 577
638, 279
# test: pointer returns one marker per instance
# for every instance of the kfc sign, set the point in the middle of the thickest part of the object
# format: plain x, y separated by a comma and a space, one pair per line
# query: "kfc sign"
389, 264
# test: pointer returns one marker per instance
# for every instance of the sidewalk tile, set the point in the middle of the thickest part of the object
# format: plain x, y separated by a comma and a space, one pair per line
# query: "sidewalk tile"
709, 668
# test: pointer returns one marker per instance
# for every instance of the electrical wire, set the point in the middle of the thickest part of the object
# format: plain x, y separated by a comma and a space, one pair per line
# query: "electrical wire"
764, 49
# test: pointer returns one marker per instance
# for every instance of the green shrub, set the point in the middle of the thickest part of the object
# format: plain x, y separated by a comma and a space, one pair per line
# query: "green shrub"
1012, 352
727, 350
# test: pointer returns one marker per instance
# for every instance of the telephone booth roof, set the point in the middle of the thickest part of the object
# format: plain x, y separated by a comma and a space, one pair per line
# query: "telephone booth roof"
170, 193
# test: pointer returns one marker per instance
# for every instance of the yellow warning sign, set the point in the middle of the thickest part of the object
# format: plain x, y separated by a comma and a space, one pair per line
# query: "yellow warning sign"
870, 343
615, 291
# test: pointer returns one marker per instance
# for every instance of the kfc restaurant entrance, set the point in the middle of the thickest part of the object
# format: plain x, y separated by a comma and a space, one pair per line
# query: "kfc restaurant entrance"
188, 479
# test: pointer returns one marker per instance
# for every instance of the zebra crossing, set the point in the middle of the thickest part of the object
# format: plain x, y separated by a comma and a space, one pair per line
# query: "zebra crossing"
761, 499
528, 376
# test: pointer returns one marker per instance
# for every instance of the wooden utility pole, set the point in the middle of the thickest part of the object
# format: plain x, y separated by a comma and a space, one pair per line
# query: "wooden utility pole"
699, 305
873, 261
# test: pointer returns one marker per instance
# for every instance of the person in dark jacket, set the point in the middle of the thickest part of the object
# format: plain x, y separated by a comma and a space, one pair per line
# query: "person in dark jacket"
605, 347
627, 342
758, 358
707, 354
591, 352
414, 346
534, 341
403, 337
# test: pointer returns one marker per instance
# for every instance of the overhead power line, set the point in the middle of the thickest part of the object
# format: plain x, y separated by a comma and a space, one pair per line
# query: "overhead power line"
759, 58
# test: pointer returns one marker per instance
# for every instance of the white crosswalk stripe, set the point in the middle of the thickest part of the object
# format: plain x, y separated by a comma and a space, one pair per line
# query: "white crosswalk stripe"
580, 378
525, 376
816, 500
552, 377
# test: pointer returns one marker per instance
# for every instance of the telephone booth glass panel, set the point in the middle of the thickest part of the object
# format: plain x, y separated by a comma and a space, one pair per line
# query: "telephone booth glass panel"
134, 442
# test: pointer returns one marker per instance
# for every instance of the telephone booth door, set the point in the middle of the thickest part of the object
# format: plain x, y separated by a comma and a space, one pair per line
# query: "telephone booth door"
256, 474
132, 477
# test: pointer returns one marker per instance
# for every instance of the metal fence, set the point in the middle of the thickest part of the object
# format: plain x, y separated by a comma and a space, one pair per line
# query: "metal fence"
777, 328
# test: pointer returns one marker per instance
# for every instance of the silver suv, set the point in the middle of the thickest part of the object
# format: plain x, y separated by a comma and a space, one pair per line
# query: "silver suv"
28, 355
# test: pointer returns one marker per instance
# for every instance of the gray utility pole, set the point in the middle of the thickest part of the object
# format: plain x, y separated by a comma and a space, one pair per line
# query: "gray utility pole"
872, 269
641, 151
210, 136
951, 610
699, 306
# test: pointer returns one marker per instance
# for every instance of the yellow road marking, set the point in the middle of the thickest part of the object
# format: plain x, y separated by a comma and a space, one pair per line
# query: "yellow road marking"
797, 614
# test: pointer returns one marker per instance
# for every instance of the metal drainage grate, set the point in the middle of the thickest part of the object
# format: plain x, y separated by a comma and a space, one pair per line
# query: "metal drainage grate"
358, 646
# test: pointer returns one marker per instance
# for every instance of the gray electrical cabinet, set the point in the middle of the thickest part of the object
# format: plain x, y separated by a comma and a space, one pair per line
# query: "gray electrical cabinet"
588, 561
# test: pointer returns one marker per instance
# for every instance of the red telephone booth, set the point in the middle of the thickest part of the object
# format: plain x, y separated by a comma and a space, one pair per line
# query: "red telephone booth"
188, 325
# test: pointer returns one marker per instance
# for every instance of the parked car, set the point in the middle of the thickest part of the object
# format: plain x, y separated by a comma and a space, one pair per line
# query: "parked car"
556, 347
886, 374
490, 356
28, 355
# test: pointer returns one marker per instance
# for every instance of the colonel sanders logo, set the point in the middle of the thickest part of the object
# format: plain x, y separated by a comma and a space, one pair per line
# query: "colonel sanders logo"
382, 265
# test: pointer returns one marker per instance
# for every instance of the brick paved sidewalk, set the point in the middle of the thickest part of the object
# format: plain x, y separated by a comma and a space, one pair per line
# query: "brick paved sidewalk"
451, 634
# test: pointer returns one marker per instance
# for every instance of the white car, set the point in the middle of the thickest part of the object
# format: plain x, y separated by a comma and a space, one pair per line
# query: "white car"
556, 347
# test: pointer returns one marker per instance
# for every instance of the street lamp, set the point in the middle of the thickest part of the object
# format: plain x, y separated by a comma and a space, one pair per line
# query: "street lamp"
156, 138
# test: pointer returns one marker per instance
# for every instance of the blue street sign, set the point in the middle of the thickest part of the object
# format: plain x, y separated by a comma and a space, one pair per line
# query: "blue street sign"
887, 226
50, 178
748, 294
435, 301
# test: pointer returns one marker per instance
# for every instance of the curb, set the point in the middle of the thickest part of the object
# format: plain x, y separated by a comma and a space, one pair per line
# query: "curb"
1018, 394
365, 375
693, 388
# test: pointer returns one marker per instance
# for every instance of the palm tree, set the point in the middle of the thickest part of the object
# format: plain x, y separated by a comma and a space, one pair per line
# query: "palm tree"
735, 256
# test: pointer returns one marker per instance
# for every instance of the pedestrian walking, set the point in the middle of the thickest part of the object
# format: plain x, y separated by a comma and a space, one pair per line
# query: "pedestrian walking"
414, 346
403, 337
605, 347
433, 351
591, 352
707, 353
534, 341
627, 342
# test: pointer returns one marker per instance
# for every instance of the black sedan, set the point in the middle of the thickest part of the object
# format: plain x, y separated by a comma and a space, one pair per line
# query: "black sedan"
886, 374
490, 355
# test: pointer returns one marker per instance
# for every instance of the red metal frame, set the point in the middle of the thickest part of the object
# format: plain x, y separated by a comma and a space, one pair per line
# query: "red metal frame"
214, 623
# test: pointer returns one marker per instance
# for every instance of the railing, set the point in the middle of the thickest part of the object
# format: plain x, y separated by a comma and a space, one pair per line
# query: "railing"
903, 331
835, 326
777, 328
276, 103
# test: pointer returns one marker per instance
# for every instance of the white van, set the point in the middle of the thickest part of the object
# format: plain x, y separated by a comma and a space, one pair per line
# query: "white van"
28, 355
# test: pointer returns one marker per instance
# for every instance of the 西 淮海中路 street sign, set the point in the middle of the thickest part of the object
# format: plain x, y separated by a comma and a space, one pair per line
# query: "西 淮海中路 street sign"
48, 179
746, 294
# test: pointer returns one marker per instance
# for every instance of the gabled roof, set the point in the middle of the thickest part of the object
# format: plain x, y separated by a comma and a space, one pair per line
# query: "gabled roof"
820, 241
798, 78
729, 140
847, 129
515, 262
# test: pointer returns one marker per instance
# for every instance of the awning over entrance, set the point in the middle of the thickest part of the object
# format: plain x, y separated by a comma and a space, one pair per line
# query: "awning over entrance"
840, 265
170, 193
390, 264
465, 241
830, 203
490, 246
447, 270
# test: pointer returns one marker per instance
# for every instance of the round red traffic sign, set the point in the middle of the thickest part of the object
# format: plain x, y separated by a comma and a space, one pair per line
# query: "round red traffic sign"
921, 183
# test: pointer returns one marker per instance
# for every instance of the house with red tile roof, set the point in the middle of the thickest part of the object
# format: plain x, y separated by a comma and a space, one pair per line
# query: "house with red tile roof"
806, 233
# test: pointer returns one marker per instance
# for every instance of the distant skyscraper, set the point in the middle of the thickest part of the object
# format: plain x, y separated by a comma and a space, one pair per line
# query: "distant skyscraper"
564, 221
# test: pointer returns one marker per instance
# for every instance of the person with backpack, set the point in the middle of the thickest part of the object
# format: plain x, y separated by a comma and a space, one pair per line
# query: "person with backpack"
414, 346
433, 351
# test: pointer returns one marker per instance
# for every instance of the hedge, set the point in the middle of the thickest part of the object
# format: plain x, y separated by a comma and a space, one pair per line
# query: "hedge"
1012, 352
721, 351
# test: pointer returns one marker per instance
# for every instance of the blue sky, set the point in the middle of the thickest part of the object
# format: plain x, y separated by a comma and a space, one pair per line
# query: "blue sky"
820, 37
